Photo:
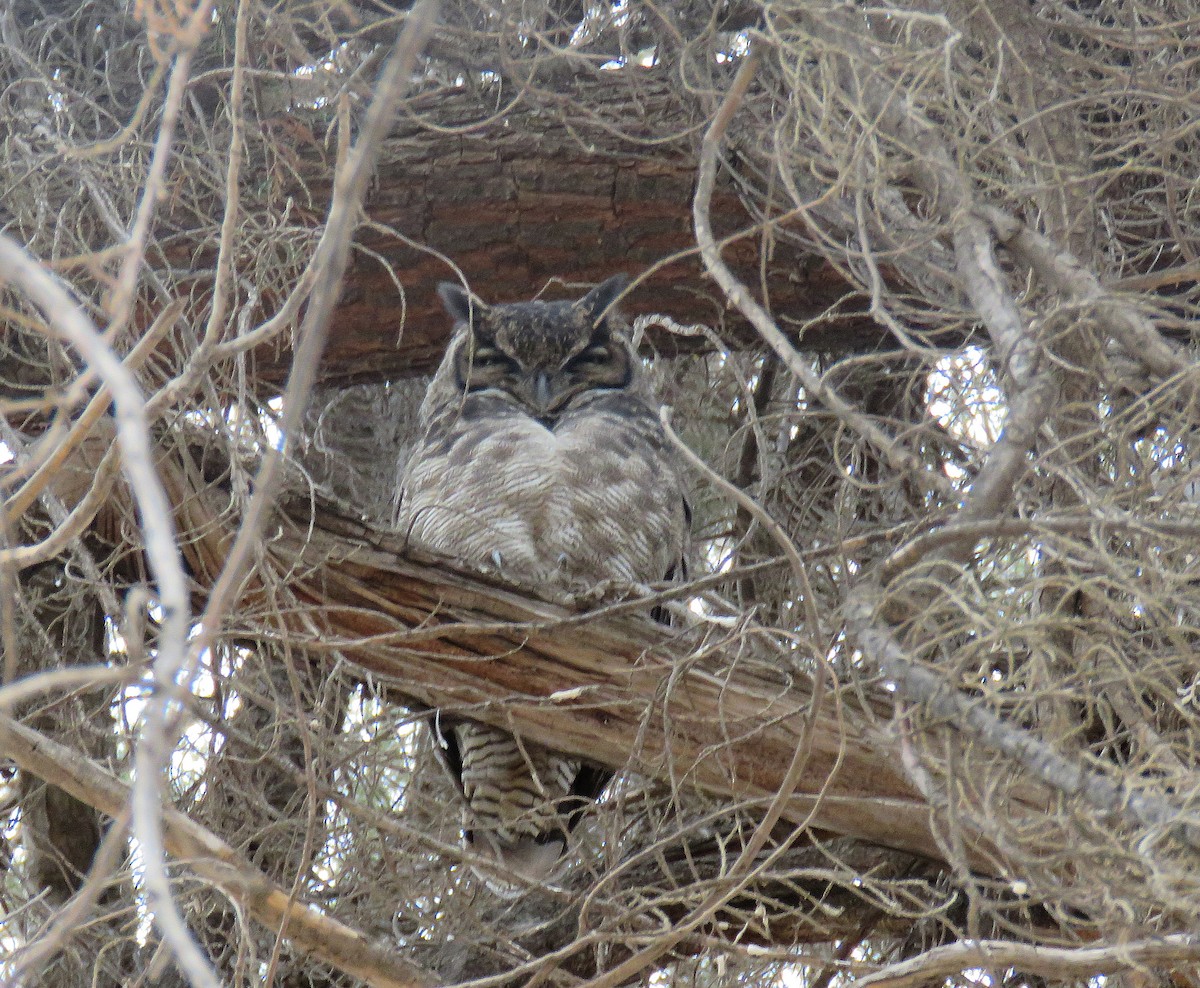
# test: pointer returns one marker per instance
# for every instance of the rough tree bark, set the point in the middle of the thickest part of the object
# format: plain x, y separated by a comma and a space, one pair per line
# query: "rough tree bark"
605, 689
521, 202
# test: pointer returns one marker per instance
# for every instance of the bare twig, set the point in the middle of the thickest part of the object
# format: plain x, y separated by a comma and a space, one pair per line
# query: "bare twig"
35, 954
895, 455
1030, 959
329, 263
184, 43
212, 859
60, 447
927, 688
63, 681
158, 526
1065, 273
154, 750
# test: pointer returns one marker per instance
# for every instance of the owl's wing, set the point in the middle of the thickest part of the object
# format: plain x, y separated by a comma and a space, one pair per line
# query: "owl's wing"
445, 744
678, 571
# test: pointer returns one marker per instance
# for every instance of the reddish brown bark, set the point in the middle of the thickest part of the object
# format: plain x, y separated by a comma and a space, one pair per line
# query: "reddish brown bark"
607, 690
525, 200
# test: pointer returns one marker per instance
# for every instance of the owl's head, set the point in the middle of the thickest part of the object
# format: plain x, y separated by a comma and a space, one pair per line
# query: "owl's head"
540, 354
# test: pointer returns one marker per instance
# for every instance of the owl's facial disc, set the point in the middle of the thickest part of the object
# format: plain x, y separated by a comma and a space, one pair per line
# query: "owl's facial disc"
543, 355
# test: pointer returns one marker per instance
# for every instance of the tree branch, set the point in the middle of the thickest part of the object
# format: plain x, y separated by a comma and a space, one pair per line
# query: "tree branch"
1072, 778
1060, 270
211, 858
1029, 959
613, 691
159, 534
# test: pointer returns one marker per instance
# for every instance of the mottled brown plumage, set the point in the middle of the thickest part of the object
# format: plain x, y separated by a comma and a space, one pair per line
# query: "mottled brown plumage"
541, 457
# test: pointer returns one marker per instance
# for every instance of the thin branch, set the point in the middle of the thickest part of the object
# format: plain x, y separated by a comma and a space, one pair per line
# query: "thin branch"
60, 447
1059, 269
64, 681
184, 41
1033, 388
329, 264
212, 859
158, 526
38, 952
927, 688
1048, 962
71, 525
154, 749
894, 454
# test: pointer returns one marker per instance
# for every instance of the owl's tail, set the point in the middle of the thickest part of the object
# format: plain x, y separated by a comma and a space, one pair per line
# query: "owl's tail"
520, 802
528, 860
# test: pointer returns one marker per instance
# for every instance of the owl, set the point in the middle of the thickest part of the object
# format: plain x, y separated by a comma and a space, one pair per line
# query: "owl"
542, 458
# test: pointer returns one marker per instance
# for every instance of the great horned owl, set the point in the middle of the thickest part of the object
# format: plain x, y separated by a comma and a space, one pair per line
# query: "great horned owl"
541, 456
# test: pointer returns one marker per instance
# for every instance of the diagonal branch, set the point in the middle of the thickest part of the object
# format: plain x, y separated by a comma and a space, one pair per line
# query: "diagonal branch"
211, 858
1068, 776
689, 706
1050, 962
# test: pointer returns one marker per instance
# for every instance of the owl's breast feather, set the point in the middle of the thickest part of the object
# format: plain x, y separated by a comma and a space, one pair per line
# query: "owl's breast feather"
587, 502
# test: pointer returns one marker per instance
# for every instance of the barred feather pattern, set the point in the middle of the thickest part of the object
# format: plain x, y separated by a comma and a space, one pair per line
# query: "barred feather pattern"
517, 794
542, 457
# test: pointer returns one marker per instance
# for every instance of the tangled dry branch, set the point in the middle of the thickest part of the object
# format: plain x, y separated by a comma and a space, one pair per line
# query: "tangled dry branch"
939, 388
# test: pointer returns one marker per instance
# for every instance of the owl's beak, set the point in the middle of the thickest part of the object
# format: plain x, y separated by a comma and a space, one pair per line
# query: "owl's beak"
541, 391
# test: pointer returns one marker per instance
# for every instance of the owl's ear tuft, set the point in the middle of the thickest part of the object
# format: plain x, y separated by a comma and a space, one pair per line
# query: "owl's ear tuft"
603, 295
459, 303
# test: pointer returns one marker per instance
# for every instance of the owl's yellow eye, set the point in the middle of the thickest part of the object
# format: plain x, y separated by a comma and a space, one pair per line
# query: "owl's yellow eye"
601, 365
593, 356
490, 356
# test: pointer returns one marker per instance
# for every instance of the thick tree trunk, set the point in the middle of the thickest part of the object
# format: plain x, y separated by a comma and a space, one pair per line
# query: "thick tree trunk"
528, 201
